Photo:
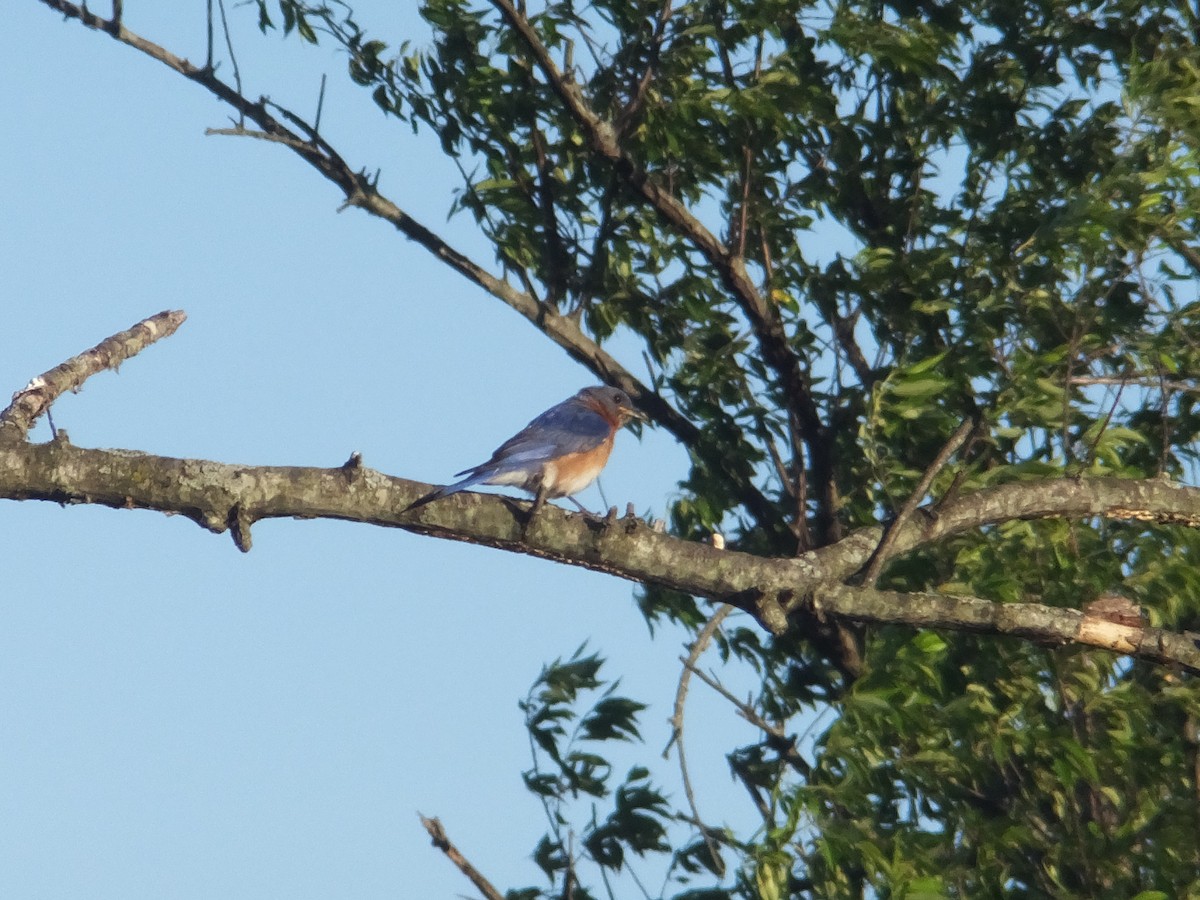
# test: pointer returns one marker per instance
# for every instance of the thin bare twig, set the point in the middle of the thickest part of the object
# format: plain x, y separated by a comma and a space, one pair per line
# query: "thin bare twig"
320, 106
629, 114
286, 140
208, 33
29, 403
1146, 378
785, 477
1107, 420
740, 224
237, 72
880, 556
438, 835
843, 330
699, 645
781, 743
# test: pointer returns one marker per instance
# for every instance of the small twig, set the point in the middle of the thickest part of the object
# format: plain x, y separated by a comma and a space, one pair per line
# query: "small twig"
208, 59
1147, 378
689, 665
843, 330
32, 401
238, 131
785, 477
607, 885
634, 106
781, 743
1164, 416
739, 771
741, 223
237, 74
320, 106
569, 879
1107, 420
438, 834
880, 556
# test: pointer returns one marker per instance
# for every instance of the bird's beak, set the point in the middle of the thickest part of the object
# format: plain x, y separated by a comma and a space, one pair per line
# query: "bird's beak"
637, 414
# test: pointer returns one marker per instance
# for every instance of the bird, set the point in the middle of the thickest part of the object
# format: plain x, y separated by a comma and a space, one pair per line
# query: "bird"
558, 454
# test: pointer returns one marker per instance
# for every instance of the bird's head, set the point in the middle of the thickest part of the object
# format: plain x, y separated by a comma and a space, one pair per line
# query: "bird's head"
612, 403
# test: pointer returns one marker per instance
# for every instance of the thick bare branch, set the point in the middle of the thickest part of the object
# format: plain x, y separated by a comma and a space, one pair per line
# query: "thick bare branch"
1149, 500
219, 495
223, 497
29, 403
1031, 621
1152, 500
438, 835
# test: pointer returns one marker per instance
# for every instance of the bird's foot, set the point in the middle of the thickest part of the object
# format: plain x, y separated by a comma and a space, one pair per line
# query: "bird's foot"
538, 502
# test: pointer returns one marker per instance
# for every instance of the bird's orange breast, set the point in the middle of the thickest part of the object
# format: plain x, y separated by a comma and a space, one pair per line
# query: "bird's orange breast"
572, 472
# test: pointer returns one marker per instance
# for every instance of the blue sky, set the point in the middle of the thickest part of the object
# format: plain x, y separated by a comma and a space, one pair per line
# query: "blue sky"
180, 719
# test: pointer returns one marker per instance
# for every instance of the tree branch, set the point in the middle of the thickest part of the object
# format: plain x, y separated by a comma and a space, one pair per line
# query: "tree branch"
781, 742
884, 551
215, 495
1150, 379
699, 645
1151, 500
634, 107
223, 497
1031, 621
360, 192
438, 835
29, 403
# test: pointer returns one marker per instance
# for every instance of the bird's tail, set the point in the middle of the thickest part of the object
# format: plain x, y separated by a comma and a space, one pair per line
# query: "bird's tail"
445, 491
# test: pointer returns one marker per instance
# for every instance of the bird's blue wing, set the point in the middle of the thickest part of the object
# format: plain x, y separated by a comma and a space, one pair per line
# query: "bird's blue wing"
569, 427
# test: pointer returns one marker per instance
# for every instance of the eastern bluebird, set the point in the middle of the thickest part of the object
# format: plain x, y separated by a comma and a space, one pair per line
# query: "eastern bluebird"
558, 454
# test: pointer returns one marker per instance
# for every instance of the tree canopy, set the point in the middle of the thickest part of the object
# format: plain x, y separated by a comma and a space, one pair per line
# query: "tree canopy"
914, 285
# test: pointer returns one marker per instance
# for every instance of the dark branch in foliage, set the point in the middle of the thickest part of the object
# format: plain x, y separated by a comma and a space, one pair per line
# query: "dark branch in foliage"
763, 316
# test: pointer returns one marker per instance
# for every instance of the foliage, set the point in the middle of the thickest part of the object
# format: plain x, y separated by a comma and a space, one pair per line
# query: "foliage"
639, 817
947, 211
